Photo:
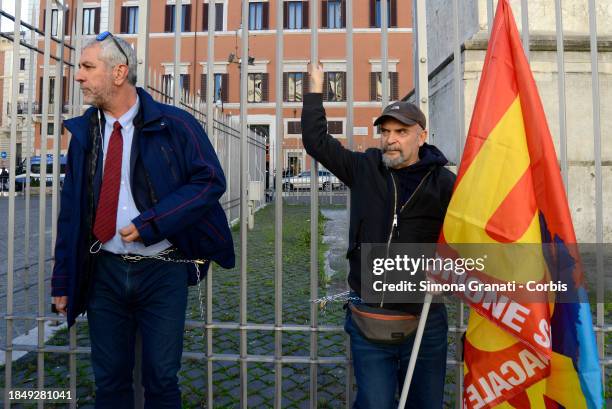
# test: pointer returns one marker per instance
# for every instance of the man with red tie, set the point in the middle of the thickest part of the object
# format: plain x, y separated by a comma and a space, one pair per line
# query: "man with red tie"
140, 199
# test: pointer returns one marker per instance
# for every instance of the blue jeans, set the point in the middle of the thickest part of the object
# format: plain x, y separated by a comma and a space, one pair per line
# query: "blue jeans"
150, 295
380, 369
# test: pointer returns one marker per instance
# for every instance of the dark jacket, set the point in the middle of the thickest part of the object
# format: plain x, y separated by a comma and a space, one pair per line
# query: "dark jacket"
176, 182
373, 191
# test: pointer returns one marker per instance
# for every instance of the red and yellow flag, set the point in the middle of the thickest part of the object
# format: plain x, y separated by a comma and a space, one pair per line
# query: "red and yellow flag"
509, 190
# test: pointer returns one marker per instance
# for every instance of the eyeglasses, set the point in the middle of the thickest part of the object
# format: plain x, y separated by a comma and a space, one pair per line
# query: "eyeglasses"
104, 35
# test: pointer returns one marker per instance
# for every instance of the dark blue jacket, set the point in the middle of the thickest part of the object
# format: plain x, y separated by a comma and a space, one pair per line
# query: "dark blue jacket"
176, 182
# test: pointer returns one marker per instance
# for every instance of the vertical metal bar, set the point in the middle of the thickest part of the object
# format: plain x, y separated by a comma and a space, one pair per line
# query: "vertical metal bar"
490, 11
57, 116
561, 90
111, 15
210, 129
75, 109
43, 200
278, 213
243, 202
599, 236
457, 79
422, 82
178, 17
350, 99
314, 233
525, 26
78, 34
458, 98
11, 205
142, 49
28, 149
384, 48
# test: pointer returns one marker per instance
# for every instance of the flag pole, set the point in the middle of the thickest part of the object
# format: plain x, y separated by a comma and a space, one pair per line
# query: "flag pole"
415, 350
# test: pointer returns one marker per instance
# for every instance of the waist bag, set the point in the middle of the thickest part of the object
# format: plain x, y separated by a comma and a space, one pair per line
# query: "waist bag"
383, 325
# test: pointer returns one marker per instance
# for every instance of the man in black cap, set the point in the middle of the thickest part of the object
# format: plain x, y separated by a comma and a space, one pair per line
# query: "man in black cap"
399, 194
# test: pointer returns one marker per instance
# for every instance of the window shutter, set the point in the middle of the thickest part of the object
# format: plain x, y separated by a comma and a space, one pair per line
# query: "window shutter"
186, 83
324, 14
343, 12
97, 20
225, 87
393, 6
305, 14
266, 16
305, 84
219, 17
40, 92
285, 15
203, 87
373, 81
394, 86
372, 13
168, 18
265, 87
343, 82
205, 18
187, 17
285, 85
67, 23
325, 87
124, 20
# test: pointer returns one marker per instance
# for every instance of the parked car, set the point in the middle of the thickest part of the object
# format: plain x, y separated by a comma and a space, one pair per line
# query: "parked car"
327, 181
20, 177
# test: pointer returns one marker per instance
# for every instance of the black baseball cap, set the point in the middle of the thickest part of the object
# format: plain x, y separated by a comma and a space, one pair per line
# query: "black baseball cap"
405, 112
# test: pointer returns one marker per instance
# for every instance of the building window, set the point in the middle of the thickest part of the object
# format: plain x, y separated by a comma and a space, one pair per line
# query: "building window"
22, 63
257, 90
295, 84
91, 21
218, 87
129, 20
335, 127
258, 16
294, 128
376, 16
334, 13
296, 15
185, 18
220, 90
50, 128
21, 87
376, 86
184, 83
335, 86
218, 17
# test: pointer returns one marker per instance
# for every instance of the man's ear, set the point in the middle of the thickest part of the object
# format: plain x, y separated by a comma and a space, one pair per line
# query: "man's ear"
120, 74
422, 137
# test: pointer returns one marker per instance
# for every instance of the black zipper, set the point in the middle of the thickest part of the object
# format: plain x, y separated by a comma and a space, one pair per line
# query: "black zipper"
394, 223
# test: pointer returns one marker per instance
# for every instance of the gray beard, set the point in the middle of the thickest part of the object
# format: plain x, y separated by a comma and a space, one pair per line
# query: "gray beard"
390, 163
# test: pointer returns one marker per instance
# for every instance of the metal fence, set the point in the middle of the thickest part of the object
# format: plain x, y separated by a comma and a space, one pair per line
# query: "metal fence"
243, 156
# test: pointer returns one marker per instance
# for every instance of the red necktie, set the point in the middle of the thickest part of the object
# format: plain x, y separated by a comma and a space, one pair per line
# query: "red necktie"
106, 214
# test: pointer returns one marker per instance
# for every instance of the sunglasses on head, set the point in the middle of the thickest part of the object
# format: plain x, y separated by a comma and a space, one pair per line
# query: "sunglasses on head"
104, 35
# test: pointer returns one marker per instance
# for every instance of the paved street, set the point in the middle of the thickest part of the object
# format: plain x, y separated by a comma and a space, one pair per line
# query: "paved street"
25, 274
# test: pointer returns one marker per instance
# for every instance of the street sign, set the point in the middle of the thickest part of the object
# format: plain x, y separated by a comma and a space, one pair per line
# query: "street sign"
3, 155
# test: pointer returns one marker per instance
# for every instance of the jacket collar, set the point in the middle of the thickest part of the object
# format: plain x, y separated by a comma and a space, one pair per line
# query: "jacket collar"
148, 114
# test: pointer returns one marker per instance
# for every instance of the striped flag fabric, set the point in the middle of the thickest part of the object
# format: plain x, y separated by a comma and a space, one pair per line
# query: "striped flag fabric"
509, 190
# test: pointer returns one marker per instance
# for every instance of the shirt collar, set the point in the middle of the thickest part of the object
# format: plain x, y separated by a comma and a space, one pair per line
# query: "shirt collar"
126, 119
